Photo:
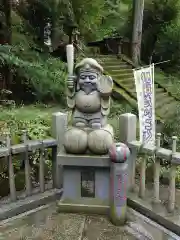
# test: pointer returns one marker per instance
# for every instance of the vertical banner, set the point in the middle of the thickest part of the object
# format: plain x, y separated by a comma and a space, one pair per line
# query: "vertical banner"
144, 81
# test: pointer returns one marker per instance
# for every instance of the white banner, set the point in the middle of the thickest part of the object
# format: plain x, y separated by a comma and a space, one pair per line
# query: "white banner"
144, 81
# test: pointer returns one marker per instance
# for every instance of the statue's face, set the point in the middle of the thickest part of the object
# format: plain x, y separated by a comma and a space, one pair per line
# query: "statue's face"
88, 81
88, 77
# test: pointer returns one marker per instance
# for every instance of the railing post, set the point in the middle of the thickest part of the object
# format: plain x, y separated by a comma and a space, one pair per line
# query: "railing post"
142, 184
41, 168
157, 171
59, 126
172, 180
132, 177
27, 166
127, 126
11, 170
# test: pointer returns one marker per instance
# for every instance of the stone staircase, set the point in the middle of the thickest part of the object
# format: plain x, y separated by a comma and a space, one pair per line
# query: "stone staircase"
122, 74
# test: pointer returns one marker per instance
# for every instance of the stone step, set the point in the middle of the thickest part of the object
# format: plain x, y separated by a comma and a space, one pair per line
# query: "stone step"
157, 92
103, 56
125, 95
129, 85
161, 95
160, 90
121, 71
125, 82
167, 110
117, 66
163, 102
122, 75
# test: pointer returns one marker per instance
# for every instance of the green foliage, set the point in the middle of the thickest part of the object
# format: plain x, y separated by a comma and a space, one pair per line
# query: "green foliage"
37, 13
158, 15
35, 119
88, 16
114, 17
168, 47
45, 74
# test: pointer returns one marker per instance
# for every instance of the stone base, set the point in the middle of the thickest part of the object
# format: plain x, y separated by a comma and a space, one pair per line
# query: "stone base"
86, 206
65, 159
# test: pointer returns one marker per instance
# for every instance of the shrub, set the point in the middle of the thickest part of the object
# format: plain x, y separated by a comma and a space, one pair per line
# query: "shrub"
41, 75
168, 47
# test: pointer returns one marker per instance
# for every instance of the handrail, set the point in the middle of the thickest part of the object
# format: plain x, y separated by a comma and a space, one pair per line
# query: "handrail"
8, 151
158, 154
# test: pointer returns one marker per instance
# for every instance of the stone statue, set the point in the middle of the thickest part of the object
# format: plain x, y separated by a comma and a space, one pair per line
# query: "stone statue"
88, 97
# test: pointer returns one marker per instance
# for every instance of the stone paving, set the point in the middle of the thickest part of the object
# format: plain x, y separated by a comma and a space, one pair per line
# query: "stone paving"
47, 224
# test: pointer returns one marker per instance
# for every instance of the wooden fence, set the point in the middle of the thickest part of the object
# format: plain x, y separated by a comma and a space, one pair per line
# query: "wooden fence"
26, 148
157, 154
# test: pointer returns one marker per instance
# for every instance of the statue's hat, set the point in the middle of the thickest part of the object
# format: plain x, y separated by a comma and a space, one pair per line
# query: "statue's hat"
89, 64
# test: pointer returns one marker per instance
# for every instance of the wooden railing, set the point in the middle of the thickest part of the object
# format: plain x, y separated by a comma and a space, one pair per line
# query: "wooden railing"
24, 149
157, 154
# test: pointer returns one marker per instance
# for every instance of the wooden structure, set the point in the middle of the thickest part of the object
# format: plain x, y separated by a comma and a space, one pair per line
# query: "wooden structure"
112, 45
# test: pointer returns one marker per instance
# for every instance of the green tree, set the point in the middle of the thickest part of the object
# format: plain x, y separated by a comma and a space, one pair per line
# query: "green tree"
158, 15
167, 48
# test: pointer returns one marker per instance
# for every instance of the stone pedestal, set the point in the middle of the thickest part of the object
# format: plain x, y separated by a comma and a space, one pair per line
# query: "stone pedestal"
73, 199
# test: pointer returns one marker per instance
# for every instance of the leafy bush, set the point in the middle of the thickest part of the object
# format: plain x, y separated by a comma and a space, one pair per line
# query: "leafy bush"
158, 14
37, 121
168, 47
44, 76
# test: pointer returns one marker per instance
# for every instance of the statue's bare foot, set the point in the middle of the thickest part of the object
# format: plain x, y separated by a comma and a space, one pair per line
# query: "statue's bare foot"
100, 140
75, 141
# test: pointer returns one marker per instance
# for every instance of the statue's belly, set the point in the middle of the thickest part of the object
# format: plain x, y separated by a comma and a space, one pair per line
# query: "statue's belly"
88, 103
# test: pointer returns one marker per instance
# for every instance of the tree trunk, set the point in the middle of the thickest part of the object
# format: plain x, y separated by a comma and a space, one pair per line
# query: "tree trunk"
7, 10
138, 9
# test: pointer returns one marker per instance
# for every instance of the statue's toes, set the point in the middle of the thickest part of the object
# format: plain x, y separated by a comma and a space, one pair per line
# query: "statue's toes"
99, 141
75, 141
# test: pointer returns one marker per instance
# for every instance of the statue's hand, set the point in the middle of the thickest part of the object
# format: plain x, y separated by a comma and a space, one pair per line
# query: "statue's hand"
71, 82
105, 85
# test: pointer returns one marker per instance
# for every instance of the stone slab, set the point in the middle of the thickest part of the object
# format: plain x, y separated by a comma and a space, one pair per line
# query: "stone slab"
83, 160
156, 212
23, 205
44, 223
83, 208
84, 205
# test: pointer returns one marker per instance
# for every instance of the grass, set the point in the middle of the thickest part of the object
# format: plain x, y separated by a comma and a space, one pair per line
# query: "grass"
36, 119
27, 112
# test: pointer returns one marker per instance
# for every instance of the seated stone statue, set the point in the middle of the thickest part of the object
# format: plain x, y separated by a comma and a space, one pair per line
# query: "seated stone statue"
88, 97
